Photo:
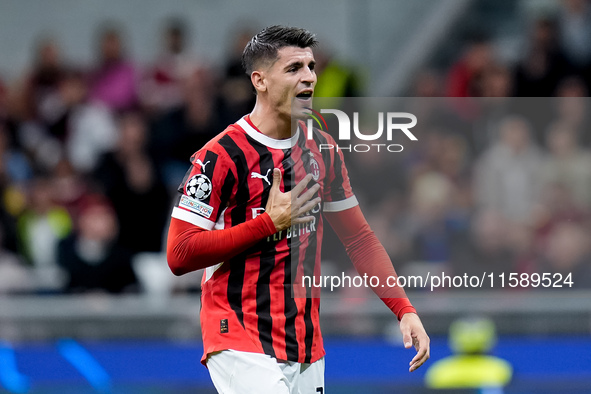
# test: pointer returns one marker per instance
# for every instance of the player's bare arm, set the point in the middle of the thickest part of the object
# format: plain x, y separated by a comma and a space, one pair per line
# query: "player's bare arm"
290, 208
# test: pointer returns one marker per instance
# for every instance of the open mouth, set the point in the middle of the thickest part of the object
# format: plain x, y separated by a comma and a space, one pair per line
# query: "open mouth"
304, 95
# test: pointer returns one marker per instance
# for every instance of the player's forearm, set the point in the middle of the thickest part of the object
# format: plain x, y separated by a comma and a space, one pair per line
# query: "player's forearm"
191, 248
369, 257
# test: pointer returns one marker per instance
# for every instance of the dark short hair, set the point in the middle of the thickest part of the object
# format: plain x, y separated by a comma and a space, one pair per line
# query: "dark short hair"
264, 45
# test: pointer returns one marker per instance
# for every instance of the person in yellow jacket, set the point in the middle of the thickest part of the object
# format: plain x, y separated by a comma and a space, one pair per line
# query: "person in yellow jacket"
335, 80
471, 367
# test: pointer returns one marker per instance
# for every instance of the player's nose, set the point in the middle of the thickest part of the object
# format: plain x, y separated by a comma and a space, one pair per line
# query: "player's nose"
309, 76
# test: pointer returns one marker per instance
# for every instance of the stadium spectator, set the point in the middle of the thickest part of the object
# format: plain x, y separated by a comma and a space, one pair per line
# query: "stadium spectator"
568, 164
16, 166
428, 83
572, 86
38, 94
574, 22
544, 64
41, 227
381, 185
8, 225
567, 253
14, 277
4, 103
491, 110
444, 152
132, 183
391, 223
89, 125
335, 78
558, 206
15, 172
237, 95
176, 134
91, 256
507, 175
161, 88
484, 247
522, 245
367, 168
38, 110
497, 81
433, 221
464, 77
69, 186
9, 209
114, 81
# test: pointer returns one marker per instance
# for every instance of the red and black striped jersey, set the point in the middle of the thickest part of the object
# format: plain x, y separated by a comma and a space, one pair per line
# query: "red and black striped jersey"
249, 302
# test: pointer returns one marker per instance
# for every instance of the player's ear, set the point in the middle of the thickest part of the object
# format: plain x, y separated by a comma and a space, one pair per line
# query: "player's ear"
258, 81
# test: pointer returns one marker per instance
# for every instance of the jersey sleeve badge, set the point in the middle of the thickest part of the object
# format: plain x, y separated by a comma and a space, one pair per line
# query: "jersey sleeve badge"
198, 187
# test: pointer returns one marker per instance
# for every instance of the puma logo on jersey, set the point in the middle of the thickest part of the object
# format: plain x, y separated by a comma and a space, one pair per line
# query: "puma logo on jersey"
198, 161
265, 177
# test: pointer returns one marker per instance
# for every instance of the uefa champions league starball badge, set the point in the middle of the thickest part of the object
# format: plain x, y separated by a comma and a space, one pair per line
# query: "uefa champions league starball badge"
199, 187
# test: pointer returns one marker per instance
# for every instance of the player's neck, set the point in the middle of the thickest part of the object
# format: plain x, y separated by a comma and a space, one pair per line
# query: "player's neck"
270, 123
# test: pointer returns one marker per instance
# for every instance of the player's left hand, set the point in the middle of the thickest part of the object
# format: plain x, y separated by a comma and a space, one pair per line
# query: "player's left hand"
413, 334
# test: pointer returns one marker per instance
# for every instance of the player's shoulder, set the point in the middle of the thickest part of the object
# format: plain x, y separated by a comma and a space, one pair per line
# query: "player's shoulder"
321, 136
219, 144
324, 135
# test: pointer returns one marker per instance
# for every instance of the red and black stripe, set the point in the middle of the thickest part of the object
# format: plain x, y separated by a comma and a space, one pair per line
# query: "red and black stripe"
238, 215
267, 256
291, 308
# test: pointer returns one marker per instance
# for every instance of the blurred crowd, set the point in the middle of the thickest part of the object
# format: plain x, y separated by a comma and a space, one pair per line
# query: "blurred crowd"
91, 157
501, 182
518, 203
500, 179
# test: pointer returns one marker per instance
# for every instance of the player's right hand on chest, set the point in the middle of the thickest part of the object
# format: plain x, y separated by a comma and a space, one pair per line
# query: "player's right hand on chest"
290, 208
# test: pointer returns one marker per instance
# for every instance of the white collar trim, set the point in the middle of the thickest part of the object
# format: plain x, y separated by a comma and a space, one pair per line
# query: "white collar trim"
266, 140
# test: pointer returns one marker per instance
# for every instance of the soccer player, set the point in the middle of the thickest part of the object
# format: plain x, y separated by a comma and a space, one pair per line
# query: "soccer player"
250, 212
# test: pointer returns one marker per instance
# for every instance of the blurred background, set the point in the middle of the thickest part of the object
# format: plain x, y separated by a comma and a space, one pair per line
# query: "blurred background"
103, 102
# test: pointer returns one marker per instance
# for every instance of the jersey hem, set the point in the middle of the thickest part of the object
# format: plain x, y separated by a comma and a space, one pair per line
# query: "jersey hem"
217, 349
